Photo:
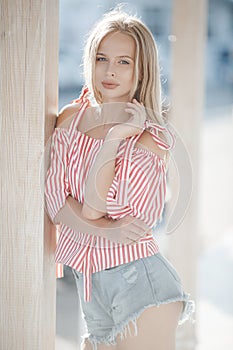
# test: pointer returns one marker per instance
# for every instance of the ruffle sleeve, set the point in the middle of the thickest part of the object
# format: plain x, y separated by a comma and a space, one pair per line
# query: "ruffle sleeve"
139, 186
146, 190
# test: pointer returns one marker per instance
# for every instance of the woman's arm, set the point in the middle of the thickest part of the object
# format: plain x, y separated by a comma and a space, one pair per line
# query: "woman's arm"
100, 178
103, 170
128, 230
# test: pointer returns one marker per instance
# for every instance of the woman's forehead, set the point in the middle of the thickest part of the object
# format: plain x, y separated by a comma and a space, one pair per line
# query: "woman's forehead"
117, 43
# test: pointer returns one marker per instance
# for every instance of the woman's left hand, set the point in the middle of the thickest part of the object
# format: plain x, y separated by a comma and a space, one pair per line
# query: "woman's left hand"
134, 125
136, 122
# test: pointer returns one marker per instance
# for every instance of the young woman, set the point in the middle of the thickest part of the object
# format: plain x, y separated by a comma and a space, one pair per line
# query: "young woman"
106, 187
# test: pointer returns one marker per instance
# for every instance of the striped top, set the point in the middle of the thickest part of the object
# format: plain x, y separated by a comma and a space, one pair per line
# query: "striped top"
138, 189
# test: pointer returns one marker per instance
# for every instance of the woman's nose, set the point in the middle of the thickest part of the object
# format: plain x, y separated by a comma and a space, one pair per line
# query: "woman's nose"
110, 70
112, 74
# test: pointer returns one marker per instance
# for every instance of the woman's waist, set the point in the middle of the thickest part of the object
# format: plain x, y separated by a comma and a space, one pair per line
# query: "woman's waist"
97, 256
99, 242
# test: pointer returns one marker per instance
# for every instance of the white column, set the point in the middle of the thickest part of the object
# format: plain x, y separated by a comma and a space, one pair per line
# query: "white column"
186, 91
28, 105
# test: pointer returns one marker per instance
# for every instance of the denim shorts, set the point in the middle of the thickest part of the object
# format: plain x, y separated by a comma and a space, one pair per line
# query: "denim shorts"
120, 294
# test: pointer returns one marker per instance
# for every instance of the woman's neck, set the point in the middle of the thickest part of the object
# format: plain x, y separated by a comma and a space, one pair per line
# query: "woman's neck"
103, 116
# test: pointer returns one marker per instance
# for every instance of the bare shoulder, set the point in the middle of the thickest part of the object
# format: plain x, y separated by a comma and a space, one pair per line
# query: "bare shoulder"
66, 115
146, 141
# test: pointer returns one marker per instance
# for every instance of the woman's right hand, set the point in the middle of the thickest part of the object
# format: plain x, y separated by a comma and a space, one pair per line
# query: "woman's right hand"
127, 230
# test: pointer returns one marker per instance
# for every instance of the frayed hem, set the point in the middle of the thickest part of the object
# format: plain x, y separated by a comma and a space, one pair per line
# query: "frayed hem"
123, 328
188, 311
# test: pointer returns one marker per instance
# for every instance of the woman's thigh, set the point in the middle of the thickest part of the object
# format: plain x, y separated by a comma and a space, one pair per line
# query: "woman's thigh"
156, 329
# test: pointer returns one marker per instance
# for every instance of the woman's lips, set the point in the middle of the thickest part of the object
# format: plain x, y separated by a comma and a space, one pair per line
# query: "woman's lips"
109, 85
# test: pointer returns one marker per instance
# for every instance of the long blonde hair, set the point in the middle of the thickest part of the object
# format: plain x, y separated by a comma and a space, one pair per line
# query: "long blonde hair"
146, 86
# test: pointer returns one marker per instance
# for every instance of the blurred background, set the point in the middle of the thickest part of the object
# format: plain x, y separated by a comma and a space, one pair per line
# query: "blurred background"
214, 318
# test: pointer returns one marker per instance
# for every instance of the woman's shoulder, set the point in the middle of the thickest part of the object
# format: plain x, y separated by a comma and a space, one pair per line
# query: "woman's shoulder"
147, 142
163, 135
66, 115
157, 139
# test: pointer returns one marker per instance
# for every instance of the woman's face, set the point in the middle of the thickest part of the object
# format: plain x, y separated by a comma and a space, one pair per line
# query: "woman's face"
114, 71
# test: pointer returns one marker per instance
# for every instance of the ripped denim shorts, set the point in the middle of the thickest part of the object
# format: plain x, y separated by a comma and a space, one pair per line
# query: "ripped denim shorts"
120, 294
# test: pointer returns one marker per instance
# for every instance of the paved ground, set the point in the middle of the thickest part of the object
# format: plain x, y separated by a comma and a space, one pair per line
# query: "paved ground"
215, 263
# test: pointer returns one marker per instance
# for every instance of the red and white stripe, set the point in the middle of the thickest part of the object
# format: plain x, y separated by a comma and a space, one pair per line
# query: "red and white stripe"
138, 189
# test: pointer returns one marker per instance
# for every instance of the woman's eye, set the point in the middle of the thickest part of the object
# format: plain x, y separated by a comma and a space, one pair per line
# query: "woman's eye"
124, 62
100, 59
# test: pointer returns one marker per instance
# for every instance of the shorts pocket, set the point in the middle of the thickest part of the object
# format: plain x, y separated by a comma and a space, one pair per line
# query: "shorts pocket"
118, 268
77, 275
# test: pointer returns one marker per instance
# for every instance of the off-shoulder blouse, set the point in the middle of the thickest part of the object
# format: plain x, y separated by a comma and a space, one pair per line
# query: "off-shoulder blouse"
138, 189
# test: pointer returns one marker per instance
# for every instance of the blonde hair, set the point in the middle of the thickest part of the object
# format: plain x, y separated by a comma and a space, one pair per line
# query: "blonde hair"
146, 86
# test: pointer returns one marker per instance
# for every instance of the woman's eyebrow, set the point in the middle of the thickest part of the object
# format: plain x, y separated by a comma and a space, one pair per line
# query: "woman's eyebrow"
121, 56
126, 56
